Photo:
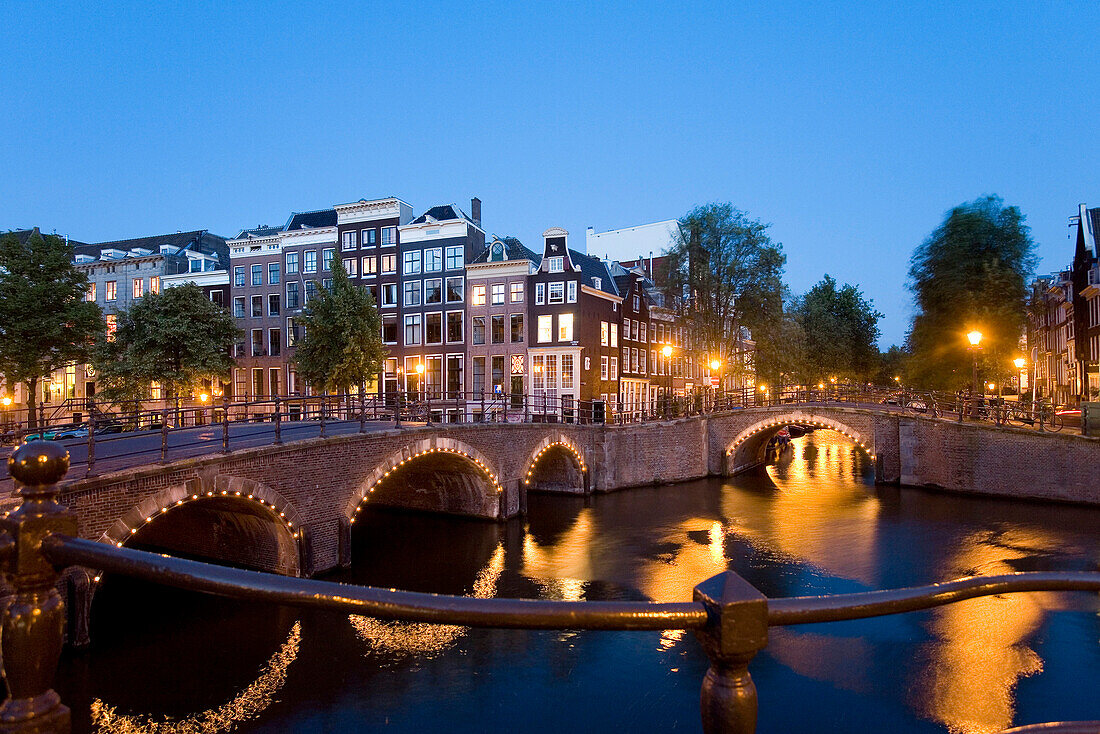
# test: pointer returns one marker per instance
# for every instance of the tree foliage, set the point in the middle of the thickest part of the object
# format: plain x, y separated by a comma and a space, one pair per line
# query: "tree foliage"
726, 273
970, 273
45, 323
176, 338
342, 344
839, 333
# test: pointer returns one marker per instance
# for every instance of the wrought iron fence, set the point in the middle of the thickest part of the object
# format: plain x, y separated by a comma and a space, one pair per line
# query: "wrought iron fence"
728, 615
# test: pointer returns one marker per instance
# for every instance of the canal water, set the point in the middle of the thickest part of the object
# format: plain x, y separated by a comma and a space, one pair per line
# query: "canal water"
166, 661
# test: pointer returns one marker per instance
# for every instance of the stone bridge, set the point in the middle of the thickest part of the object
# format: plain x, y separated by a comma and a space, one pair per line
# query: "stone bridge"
291, 508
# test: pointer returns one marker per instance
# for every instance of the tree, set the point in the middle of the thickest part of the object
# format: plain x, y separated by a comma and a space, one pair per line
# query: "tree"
342, 343
970, 273
840, 333
726, 273
176, 338
893, 363
45, 323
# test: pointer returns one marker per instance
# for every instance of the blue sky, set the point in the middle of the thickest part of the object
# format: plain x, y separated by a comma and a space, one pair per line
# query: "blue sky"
851, 129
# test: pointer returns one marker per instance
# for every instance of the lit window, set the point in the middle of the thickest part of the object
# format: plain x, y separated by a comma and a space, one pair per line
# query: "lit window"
613, 369
517, 292
370, 266
546, 328
478, 295
603, 334
139, 287
389, 264
603, 367
112, 325
90, 294
112, 290
565, 327
614, 335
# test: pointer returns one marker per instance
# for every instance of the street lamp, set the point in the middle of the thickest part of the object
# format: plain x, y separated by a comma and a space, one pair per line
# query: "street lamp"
1019, 362
666, 351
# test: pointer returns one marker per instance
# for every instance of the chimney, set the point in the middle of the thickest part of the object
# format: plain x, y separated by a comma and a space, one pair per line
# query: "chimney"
651, 264
475, 210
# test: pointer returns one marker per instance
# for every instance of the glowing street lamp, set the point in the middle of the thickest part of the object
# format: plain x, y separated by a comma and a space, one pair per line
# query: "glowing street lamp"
975, 337
666, 351
204, 398
6, 401
715, 365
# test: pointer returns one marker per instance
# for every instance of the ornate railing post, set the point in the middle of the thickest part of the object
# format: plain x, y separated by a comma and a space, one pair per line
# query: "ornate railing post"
34, 620
736, 630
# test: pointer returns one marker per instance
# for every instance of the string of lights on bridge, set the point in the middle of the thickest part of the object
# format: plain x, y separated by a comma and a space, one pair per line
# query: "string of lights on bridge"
223, 493
567, 447
816, 424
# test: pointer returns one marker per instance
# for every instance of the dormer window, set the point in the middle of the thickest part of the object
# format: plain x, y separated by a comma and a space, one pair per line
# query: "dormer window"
557, 264
596, 283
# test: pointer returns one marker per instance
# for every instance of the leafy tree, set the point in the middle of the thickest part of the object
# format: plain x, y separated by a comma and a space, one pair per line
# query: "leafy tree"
893, 363
840, 332
45, 323
176, 338
726, 273
970, 273
780, 352
342, 343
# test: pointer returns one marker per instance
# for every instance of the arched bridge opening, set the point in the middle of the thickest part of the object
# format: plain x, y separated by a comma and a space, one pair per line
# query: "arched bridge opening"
557, 466
452, 478
753, 447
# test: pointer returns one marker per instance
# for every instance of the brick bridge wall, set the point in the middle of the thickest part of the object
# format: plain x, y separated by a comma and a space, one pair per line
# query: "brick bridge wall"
310, 490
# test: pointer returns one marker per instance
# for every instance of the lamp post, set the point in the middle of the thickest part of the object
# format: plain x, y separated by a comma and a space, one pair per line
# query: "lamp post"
716, 367
975, 339
1019, 362
666, 351
422, 390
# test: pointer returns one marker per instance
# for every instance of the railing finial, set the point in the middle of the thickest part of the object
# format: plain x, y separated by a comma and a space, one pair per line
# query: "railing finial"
34, 621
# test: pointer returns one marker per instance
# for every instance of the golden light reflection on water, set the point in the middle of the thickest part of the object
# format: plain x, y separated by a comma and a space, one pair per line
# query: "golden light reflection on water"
981, 650
248, 704
421, 638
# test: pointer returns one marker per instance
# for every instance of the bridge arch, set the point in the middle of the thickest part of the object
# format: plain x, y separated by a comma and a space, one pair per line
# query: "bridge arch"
556, 464
747, 450
435, 474
242, 510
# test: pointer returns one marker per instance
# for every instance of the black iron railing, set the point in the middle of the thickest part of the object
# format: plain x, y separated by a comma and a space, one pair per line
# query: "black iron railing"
728, 615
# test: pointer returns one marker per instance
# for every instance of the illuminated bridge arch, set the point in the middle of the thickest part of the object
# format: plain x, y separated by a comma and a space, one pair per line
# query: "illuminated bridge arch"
556, 464
434, 474
748, 449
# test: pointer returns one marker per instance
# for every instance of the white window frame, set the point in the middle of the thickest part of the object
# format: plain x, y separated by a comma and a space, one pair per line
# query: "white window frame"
540, 294
545, 328
571, 292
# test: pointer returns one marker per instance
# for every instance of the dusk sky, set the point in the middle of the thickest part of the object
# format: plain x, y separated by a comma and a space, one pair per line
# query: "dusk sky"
851, 130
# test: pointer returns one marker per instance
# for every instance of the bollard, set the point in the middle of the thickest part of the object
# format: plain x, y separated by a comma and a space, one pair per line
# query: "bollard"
33, 623
737, 628
278, 422
225, 424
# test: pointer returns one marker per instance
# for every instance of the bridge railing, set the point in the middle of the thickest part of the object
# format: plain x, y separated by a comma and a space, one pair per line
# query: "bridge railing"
133, 433
728, 615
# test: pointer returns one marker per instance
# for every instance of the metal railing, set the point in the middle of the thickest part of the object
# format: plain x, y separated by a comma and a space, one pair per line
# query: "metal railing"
728, 615
126, 434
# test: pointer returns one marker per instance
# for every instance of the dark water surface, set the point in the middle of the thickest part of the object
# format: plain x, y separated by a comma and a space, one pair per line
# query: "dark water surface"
171, 661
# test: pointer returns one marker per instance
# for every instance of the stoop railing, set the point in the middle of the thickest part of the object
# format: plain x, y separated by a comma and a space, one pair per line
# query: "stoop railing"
728, 615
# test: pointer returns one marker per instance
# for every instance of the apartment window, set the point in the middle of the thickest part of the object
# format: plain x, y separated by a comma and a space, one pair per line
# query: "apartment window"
454, 257
238, 307
478, 295
637, 302
257, 342
112, 324
311, 290
614, 335
257, 274
111, 290
517, 328
370, 266
497, 294
370, 237
567, 371
540, 294
433, 290
154, 284
557, 293
571, 295
257, 382
139, 287
351, 266
433, 260
641, 332
565, 327
498, 375
411, 263
626, 328
498, 329
454, 327
273, 304
257, 309
310, 265
641, 361
433, 328
348, 240
273, 381
479, 375
238, 276
454, 376
291, 332
412, 329
412, 293
389, 264
634, 331
275, 341
479, 329
216, 297
389, 294
626, 358
291, 263
292, 294
613, 368
389, 236
389, 329
603, 334
89, 295
546, 328
633, 360
455, 290
273, 274
326, 258
557, 264
603, 367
